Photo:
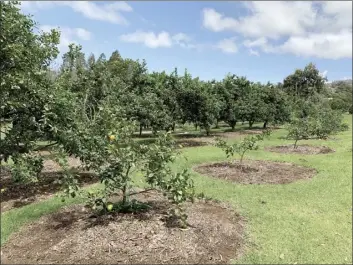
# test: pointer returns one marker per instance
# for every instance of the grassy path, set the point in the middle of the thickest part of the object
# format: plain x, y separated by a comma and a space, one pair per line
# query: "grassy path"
309, 221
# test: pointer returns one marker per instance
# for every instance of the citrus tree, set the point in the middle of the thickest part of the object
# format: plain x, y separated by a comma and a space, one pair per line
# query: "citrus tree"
299, 129
248, 143
118, 159
320, 122
27, 92
327, 122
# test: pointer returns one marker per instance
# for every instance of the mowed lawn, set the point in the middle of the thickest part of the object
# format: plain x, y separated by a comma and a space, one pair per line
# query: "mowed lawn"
308, 221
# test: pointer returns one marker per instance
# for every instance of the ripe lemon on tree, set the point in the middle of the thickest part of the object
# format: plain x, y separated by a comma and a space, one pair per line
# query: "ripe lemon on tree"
110, 207
111, 137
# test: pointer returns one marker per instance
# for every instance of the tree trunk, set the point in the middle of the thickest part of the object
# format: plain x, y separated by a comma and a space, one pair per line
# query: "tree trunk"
124, 195
124, 190
217, 126
233, 124
250, 124
265, 125
140, 129
173, 126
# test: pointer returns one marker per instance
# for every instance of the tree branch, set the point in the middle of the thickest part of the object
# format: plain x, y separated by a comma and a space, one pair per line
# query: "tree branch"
43, 147
143, 191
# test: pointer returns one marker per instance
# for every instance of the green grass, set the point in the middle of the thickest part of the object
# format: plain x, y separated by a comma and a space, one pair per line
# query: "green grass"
308, 221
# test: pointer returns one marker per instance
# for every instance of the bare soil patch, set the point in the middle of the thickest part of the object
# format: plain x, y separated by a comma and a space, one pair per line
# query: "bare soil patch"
19, 194
227, 134
70, 236
257, 172
237, 134
242, 133
193, 142
301, 149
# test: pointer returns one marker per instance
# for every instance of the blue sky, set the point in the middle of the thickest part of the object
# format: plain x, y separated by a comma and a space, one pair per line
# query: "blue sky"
264, 41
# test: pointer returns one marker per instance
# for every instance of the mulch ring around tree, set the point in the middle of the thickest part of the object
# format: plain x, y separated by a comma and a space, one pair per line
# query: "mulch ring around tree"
256, 172
73, 236
16, 195
301, 149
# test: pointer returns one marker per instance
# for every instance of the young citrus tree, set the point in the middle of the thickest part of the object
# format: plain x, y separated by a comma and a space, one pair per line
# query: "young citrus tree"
107, 146
248, 143
299, 129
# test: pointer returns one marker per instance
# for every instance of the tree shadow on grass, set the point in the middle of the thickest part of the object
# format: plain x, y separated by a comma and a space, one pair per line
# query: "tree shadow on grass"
193, 135
254, 128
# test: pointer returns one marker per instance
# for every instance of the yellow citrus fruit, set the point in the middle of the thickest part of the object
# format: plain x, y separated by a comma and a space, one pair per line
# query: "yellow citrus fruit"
111, 137
110, 207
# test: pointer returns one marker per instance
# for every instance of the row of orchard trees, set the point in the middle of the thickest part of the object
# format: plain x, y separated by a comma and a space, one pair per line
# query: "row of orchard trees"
159, 100
44, 104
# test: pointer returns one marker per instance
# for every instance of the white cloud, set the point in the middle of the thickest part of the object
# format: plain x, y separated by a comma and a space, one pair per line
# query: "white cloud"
267, 19
338, 15
164, 39
109, 12
253, 52
215, 21
321, 45
261, 43
183, 41
159, 40
68, 35
255, 43
323, 74
181, 37
227, 46
310, 29
82, 33
150, 39
34, 6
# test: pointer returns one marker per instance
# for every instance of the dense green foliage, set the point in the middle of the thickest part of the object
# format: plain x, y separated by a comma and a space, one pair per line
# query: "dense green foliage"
76, 109
304, 83
319, 121
341, 96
